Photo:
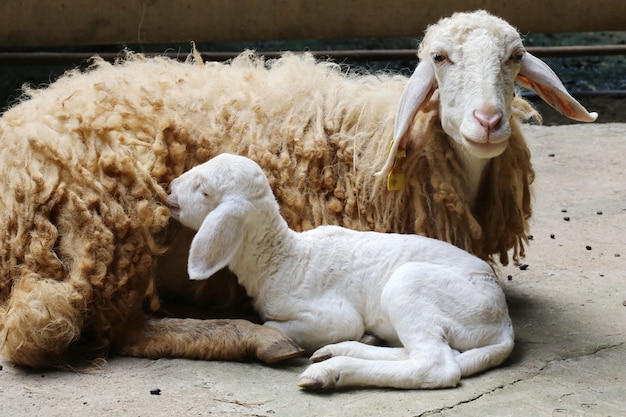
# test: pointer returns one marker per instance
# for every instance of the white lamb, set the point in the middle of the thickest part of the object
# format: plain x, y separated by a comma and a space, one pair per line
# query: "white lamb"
440, 307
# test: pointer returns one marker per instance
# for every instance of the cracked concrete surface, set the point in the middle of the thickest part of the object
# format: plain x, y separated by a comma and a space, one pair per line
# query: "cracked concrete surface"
568, 308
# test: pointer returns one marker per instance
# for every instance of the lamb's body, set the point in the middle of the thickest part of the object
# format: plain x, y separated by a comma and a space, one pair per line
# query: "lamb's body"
332, 278
427, 298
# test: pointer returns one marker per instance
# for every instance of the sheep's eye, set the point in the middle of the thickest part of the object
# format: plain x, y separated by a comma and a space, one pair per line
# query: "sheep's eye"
439, 58
517, 56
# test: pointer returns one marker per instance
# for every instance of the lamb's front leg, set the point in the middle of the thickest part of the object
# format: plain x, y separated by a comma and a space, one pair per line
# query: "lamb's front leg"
430, 371
359, 350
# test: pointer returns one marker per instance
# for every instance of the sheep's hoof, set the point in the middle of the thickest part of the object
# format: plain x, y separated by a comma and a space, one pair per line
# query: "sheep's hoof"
280, 351
276, 347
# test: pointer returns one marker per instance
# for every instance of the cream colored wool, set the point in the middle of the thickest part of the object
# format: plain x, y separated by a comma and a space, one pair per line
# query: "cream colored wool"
85, 161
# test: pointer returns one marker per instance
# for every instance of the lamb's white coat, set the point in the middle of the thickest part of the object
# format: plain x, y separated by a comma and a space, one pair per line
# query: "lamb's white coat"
440, 309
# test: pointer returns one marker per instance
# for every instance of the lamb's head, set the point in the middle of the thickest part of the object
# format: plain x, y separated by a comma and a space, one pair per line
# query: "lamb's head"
218, 199
474, 59
199, 191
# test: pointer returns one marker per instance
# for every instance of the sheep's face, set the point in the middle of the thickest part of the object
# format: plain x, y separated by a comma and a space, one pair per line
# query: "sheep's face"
475, 65
199, 191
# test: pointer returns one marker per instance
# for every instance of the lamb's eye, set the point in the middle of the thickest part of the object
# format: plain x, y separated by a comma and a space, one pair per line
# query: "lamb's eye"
439, 58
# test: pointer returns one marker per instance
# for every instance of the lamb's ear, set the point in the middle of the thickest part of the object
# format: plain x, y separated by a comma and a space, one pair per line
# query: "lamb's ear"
415, 96
539, 77
218, 239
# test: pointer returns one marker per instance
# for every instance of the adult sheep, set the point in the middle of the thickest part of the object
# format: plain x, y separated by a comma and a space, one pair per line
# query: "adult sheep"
84, 162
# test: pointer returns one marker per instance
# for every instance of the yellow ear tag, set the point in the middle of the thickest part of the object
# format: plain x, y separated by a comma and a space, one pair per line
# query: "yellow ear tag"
396, 179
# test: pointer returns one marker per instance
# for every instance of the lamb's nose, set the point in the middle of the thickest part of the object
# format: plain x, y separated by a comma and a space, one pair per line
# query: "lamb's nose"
172, 199
488, 120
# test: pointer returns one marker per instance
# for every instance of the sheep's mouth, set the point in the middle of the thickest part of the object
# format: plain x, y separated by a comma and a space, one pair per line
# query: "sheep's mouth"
486, 149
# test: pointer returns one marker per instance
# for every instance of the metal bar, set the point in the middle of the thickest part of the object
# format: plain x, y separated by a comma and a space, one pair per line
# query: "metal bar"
76, 58
37, 23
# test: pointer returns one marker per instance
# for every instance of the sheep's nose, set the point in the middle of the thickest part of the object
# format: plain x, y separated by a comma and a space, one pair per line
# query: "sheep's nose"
488, 120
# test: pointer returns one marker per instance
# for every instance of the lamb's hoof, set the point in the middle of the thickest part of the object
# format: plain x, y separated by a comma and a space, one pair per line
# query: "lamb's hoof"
317, 377
310, 383
321, 355
281, 348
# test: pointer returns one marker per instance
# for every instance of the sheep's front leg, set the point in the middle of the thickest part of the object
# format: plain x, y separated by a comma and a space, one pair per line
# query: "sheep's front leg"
206, 339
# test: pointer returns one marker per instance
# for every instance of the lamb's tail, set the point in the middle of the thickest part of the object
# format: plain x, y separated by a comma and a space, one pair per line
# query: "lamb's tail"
205, 339
41, 320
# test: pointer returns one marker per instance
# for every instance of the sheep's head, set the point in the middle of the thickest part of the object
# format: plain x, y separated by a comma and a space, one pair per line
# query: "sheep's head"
474, 59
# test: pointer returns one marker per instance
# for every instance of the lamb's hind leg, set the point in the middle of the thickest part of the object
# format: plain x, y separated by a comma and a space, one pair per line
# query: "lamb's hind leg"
417, 322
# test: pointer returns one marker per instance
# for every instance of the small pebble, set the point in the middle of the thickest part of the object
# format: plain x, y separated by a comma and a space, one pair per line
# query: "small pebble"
588, 247
155, 391
551, 235
566, 218
523, 267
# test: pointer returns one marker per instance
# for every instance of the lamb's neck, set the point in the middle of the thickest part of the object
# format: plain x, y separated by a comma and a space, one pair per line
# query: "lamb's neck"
267, 241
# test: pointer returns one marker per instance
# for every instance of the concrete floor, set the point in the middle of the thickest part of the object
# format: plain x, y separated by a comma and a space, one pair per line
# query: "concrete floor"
568, 308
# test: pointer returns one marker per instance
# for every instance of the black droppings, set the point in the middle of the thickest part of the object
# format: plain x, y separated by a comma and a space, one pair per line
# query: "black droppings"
552, 236
588, 247
599, 213
566, 218
523, 267
510, 277
155, 391
551, 155
530, 237
563, 210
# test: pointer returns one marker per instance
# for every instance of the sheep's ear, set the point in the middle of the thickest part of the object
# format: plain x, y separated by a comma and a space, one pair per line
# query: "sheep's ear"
217, 240
415, 96
539, 77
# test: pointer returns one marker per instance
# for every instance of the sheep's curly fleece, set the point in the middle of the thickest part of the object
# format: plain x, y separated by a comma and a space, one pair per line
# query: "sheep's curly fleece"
85, 162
